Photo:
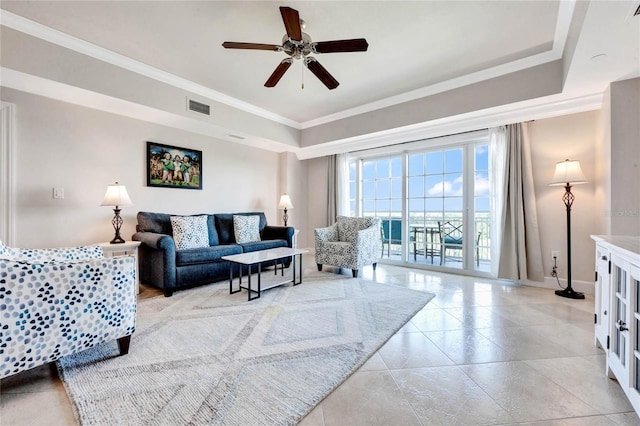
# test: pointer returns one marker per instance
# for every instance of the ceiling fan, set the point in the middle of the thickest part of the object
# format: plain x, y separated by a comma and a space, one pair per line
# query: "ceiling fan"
298, 45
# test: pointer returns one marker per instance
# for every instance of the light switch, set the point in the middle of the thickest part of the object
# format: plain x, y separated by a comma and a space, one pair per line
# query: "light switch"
58, 193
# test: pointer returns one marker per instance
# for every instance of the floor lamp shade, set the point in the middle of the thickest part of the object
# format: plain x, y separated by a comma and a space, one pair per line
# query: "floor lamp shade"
285, 204
116, 196
568, 173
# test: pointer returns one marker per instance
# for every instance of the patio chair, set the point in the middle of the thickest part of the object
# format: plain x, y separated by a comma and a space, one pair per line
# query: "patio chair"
391, 232
451, 238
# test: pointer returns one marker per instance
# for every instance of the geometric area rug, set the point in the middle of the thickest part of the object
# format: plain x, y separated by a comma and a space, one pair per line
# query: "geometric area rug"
205, 357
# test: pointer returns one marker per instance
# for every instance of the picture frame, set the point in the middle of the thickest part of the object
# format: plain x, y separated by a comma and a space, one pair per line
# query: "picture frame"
171, 166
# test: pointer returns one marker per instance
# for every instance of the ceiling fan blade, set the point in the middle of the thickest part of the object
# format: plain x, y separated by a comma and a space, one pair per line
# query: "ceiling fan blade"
352, 45
278, 72
320, 72
291, 19
253, 46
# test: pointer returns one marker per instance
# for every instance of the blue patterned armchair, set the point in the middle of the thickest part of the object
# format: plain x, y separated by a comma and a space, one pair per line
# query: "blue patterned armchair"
352, 242
56, 302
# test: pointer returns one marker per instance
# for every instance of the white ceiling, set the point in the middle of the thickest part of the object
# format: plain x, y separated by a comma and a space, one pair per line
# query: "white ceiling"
415, 47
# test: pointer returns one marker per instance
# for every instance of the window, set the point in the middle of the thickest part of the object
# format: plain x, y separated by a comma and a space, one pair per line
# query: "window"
427, 196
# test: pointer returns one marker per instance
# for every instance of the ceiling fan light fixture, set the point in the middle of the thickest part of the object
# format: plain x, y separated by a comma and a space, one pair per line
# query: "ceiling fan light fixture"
298, 45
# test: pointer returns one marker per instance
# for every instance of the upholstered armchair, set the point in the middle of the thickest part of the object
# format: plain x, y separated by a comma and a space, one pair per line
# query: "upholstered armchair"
57, 302
352, 242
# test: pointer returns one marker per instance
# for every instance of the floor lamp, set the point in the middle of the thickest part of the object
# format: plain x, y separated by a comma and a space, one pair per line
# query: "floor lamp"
568, 173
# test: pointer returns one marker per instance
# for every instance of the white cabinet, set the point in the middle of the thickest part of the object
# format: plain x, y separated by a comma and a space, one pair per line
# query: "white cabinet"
617, 316
602, 297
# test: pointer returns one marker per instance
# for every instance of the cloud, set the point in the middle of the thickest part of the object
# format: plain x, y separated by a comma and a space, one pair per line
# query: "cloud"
450, 189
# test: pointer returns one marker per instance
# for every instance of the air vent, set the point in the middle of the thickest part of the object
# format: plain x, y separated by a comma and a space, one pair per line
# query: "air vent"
198, 107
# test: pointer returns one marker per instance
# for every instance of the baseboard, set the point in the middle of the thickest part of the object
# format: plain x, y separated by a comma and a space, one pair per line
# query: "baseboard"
585, 287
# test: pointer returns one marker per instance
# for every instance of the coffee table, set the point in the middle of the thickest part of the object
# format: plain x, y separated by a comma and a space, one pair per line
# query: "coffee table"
258, 257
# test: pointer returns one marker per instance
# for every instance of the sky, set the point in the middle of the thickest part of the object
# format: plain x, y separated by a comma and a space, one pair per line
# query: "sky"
435, 182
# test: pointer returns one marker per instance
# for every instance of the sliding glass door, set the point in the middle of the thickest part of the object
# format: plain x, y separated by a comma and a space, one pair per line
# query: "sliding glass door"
433, 203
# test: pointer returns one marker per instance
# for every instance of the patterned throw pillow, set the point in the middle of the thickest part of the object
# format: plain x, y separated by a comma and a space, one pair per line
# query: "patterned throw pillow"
246, 228
190, 231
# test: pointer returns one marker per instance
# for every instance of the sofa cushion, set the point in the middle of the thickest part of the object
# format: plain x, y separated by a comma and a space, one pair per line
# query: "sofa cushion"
348, 227
206, 254
224, 225
246, 228
160, 223
190, 232
263, 245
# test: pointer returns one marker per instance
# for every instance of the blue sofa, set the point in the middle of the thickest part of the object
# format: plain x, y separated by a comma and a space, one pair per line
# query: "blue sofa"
168, 269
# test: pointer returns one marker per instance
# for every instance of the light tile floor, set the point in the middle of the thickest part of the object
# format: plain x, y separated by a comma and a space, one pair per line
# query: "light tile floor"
481, 352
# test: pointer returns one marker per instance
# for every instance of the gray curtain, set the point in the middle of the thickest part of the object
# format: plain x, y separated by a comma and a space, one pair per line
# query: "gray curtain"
520, 253
337, 187
332, 199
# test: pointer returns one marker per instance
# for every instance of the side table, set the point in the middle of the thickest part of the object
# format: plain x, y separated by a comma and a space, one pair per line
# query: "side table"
294, 240
128, 247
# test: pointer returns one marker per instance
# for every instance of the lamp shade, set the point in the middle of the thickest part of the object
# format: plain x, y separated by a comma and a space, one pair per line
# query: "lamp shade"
285, 202
116, 195
568, 172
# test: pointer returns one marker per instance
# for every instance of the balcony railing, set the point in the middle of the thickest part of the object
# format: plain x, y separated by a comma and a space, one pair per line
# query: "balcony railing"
425, 240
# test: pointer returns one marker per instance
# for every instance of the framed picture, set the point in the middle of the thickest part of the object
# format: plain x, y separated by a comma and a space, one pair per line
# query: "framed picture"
173, 167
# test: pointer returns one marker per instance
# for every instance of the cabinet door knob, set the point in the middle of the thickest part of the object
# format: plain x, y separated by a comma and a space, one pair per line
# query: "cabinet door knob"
604, 258
605, 312
622, 326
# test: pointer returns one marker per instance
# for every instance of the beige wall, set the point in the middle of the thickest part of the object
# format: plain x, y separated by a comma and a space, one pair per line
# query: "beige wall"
293, 181
317, 189
552, 140
83, 150
624, 128
556, 139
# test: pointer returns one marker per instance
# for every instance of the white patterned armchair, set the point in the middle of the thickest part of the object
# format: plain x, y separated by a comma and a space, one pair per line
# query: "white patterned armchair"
56, 302
352, 242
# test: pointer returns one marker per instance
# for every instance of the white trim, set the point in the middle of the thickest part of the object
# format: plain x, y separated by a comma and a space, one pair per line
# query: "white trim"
586, 287
63, 92
27, 26
563, 23
540, 108
7, 170
51, 35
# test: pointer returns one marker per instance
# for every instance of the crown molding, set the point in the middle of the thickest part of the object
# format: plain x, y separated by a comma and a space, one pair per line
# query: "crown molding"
60, 38
27, 26
550, 106
563, 23
36, 85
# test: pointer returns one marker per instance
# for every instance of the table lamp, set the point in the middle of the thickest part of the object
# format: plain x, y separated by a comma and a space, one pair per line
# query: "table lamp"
116, 196
285, 203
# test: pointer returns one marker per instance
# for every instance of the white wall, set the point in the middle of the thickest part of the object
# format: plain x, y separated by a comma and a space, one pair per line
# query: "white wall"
83, 150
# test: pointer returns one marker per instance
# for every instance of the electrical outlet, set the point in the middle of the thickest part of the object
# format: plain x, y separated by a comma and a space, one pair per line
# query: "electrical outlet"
555, 255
